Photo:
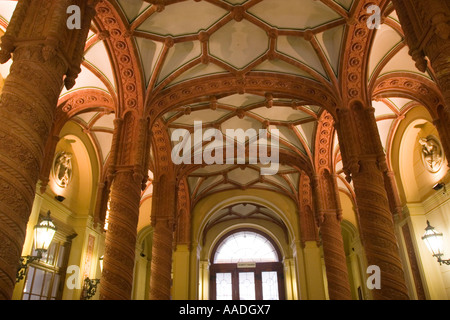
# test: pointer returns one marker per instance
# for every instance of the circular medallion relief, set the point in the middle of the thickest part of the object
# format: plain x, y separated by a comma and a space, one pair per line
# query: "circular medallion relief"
432, 154
62, 168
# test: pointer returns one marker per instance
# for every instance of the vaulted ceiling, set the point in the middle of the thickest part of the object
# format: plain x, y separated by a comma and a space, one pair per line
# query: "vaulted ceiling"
180, 41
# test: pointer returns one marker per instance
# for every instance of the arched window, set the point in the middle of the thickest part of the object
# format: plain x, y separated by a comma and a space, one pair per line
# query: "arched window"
246, 266
245, 246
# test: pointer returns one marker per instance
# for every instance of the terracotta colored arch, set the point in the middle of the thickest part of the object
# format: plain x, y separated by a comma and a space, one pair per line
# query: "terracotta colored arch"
308, 226
69, 106
161, 147
81, 101
285, 157
324, 142
123, 54
294, 87
183, 214
183, 172
405, 85
358, 39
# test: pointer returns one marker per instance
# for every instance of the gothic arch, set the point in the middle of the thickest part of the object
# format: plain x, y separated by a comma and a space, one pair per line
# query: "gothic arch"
282, 85
412, 87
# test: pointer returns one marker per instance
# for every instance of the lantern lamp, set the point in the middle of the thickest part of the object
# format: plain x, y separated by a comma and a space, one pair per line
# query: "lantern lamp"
435, 243
43, 236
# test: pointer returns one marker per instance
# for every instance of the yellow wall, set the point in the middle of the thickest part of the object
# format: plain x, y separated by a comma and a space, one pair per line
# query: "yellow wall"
421, 202
74, 214
145, 211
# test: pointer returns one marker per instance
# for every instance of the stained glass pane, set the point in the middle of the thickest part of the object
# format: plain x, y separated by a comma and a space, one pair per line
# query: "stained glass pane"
270, 285
51, 253
29, 279
245, 246
223, 286
247, 286
46, 285
38, 281
61, 256
55, 286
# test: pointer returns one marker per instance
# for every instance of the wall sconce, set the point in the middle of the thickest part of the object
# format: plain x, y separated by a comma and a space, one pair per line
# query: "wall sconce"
43, 236
434, 242
60, 198
90, 285
438, 186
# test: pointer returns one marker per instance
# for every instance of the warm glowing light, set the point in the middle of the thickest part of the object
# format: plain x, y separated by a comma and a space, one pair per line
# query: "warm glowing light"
433, 240
108, 208
44, 233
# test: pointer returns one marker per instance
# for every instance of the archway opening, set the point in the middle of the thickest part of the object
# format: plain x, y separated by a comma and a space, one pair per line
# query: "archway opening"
246, 266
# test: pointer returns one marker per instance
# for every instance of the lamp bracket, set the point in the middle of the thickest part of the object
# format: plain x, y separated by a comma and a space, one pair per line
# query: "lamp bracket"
90, 288
441, 261
23, 265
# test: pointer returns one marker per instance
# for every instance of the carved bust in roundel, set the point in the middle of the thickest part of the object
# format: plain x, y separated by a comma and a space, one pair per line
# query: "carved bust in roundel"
432, 154
62, 168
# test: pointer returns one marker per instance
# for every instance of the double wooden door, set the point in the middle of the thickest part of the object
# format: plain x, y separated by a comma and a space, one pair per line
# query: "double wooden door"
247, 281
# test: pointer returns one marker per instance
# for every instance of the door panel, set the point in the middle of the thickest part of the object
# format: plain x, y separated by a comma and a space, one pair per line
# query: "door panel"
262, 282
247, 290
270, 289
224, 287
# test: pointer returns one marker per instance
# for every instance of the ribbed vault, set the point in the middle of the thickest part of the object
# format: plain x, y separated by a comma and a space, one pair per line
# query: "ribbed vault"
260, 64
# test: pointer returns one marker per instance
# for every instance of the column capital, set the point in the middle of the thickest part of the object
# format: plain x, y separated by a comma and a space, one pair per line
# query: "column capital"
167, 221
34, 26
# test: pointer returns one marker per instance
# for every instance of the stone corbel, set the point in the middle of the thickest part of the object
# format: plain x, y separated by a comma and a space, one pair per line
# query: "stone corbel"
351, 169
6, 48
420, 60
382, 164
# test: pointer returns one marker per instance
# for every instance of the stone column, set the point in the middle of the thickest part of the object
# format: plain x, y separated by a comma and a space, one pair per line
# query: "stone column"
203, 278
290, 279
298, 273
395, 203
163, 215
120, 242
127, 173
426, 24
365, 164
329, 217
47, 55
